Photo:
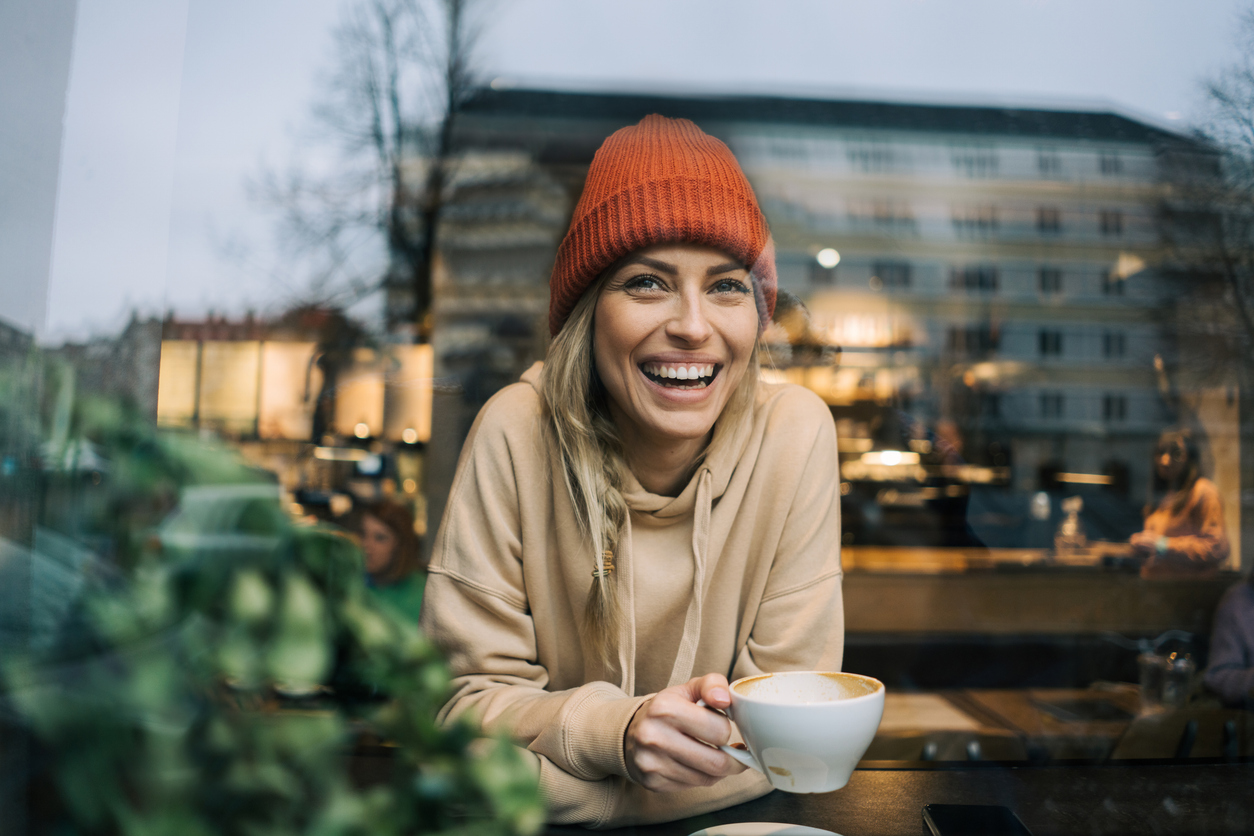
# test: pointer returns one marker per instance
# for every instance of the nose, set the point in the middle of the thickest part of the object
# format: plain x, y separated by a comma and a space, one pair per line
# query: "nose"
689, 324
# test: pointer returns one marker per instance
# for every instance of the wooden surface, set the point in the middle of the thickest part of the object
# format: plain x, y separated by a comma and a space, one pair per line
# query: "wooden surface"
1160, 799
937, 560
1024, 602
1045, 733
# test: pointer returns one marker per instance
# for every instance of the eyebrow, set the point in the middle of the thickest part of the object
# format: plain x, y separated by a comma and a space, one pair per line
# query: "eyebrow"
670, 269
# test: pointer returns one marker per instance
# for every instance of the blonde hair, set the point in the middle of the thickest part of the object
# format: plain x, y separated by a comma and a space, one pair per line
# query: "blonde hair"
576, 406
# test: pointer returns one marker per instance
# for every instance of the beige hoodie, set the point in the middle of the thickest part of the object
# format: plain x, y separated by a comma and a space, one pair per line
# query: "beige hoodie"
739, 574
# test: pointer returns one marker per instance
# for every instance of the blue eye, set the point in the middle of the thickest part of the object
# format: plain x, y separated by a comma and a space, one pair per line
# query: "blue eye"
646, 282
730, 286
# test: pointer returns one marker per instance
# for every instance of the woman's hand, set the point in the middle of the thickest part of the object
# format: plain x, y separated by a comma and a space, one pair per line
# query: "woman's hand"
1144, 541
664, 741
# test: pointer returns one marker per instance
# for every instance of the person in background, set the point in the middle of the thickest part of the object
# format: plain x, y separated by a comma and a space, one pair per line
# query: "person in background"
1231, 670
642, 519
1184, 532
394, 569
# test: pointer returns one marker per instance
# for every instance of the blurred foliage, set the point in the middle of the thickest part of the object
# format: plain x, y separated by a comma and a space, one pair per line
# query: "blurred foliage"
221, 662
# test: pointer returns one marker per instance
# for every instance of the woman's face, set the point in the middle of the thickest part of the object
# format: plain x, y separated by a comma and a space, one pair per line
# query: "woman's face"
378, 542
674, 329
1170, 457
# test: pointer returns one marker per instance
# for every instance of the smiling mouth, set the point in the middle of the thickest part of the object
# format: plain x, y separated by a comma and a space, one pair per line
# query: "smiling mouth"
681, 376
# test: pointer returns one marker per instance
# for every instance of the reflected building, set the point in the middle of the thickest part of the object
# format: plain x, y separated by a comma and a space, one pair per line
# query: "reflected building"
986, 272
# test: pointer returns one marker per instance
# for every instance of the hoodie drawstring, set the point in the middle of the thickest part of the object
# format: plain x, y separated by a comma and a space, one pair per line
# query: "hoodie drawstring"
701, 512
627, 624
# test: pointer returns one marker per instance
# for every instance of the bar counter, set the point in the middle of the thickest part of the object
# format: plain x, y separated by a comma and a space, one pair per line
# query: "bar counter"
906, 590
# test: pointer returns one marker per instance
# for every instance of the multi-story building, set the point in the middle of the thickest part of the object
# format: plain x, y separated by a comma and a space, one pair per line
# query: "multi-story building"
987, 273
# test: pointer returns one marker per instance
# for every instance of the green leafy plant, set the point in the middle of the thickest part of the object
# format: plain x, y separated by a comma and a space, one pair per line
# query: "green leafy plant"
161, 709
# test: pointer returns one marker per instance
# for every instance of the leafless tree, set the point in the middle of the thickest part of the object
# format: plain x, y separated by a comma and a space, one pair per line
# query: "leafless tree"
1207, 225
1207, 229
402, 70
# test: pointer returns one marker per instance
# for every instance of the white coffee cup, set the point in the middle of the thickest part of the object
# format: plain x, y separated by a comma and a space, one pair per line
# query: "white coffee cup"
806, 730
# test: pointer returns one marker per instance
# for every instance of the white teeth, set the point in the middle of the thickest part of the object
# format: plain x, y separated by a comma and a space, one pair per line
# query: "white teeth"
680, 372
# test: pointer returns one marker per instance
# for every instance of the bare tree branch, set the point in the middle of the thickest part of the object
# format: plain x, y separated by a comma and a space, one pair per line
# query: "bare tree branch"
403, 68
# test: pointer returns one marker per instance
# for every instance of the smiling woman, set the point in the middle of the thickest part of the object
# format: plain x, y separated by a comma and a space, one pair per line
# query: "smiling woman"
677, 331
642, 519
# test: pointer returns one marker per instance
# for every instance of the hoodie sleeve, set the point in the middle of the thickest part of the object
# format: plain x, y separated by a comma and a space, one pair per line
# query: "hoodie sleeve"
1231, 670
800, 623
476, 610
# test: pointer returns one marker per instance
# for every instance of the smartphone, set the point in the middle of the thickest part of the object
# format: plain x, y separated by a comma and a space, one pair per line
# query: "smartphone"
971, 820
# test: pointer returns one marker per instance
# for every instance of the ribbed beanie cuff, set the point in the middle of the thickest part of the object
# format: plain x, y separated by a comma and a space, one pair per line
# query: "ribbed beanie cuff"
661, 181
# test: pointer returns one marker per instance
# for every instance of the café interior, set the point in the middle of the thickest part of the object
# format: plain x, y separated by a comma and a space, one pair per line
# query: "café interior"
1002, 309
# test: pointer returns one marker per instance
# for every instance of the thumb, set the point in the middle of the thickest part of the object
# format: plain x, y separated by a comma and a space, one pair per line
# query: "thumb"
712, 688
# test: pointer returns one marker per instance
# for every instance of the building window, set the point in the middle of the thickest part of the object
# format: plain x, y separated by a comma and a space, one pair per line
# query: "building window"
974, 278
1110, 221
882, 215
870, 156
820, 275
975, 220
892, 274
1048, 220
1051, 405
1114, 408
1110, 164
1050, 343
1049, 280
1113, 344
975, 162
973, 339
1048, 163
1112, 285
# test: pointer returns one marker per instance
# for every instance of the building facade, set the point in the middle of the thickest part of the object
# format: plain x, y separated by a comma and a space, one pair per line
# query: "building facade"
988, 275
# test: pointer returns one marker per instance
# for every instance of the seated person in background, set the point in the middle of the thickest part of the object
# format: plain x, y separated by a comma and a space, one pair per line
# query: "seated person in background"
1231, 670
1185, 531
394, 569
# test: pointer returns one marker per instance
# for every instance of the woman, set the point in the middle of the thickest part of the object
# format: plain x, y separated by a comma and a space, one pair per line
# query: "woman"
642, 520
1185, 532
394, 569
1231, 670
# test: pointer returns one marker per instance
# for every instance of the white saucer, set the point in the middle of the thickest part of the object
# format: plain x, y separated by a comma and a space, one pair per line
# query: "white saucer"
762, 828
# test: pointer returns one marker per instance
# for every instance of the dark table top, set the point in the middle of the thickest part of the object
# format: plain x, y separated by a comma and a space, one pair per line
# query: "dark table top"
1191, 798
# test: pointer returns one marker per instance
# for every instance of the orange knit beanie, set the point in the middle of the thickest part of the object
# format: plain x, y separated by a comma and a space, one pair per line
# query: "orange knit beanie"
660, 181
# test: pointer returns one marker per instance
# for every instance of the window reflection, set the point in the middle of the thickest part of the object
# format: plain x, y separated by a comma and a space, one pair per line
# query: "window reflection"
1003, 308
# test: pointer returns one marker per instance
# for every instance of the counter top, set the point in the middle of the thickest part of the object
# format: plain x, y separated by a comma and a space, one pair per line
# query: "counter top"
1170, 798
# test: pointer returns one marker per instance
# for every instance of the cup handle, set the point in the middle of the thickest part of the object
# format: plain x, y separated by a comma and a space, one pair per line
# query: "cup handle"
743, 755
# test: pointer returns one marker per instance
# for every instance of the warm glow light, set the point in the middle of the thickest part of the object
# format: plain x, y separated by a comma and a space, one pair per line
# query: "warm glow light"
409, 435
340, 454
1083, 478
890, 458
362, 430
827, 257
409, 485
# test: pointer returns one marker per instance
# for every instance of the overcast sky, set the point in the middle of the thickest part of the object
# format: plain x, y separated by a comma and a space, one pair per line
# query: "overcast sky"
174, 104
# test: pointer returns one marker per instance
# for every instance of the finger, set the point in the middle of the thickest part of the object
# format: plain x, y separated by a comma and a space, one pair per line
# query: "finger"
661, 773
714, 690
664, 740
690, 719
